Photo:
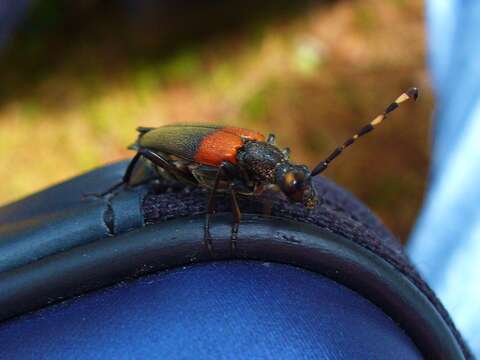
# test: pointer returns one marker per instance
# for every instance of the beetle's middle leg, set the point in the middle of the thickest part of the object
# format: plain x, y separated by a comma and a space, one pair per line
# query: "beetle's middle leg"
236, 219
226, 170
211, 209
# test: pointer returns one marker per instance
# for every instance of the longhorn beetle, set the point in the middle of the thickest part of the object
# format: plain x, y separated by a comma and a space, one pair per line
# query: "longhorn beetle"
234, 160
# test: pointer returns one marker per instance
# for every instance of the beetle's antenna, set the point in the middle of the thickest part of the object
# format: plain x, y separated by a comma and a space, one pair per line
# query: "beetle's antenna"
409, 94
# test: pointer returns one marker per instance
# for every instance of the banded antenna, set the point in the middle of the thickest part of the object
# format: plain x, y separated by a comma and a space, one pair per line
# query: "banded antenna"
409, 94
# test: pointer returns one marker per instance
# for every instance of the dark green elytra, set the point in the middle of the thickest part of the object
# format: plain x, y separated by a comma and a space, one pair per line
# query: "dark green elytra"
205, 144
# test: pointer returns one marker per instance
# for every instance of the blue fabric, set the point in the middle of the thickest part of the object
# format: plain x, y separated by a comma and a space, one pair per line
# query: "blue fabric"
240, 310
445, 244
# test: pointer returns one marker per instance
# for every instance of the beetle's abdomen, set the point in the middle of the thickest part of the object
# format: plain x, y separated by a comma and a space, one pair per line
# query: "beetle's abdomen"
205, 144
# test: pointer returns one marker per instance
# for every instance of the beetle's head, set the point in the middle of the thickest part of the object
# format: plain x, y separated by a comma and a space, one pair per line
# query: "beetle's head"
296, 183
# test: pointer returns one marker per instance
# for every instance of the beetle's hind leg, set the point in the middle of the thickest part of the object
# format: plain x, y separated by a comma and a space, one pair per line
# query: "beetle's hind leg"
164, 163
125, 179
134, 176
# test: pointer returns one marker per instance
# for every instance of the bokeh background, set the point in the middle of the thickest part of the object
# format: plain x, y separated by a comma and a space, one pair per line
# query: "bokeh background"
76, 78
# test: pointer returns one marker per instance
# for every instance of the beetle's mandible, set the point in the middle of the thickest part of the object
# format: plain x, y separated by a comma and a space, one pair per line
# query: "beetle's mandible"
233, 160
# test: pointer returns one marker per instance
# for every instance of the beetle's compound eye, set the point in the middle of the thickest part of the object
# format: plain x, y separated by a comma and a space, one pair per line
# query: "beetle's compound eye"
294, 181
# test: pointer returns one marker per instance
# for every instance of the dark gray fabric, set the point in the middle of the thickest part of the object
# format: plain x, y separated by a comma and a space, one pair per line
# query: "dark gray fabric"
338, 212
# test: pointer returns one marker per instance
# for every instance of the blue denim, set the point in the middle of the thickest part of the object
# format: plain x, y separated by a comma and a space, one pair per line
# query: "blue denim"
219, 310
445, 244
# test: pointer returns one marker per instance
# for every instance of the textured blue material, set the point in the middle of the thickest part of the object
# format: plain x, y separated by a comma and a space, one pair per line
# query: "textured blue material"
62, 196
446, 242
240, 310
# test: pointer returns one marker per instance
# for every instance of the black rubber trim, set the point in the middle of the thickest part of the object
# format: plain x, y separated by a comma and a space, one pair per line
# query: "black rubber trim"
43, 235
179, 242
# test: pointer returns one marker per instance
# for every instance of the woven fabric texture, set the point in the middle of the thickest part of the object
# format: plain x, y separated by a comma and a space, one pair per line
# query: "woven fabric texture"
338, 212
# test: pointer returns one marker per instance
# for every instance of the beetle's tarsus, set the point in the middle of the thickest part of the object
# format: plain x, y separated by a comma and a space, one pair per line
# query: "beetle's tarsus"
236, 219
109, 191
207, 238
208, 243
233, 238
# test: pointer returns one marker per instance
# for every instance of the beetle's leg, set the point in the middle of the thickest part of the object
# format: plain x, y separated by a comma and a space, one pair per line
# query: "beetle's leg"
164, 163
239, 182
229, 170
131, 166
236, 219
125, 179
271, 139
211, 209
286, 153
158, 160
110, 190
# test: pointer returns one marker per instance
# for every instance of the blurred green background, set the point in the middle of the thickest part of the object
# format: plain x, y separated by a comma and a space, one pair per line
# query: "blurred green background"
77, 78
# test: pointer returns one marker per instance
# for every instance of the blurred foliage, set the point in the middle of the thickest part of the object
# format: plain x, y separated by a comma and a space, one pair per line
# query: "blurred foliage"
79, 77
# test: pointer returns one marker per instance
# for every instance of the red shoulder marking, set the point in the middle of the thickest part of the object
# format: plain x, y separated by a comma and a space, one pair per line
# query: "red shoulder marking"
223, 144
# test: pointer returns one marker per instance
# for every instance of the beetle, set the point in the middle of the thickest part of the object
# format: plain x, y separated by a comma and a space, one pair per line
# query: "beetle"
233, 160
